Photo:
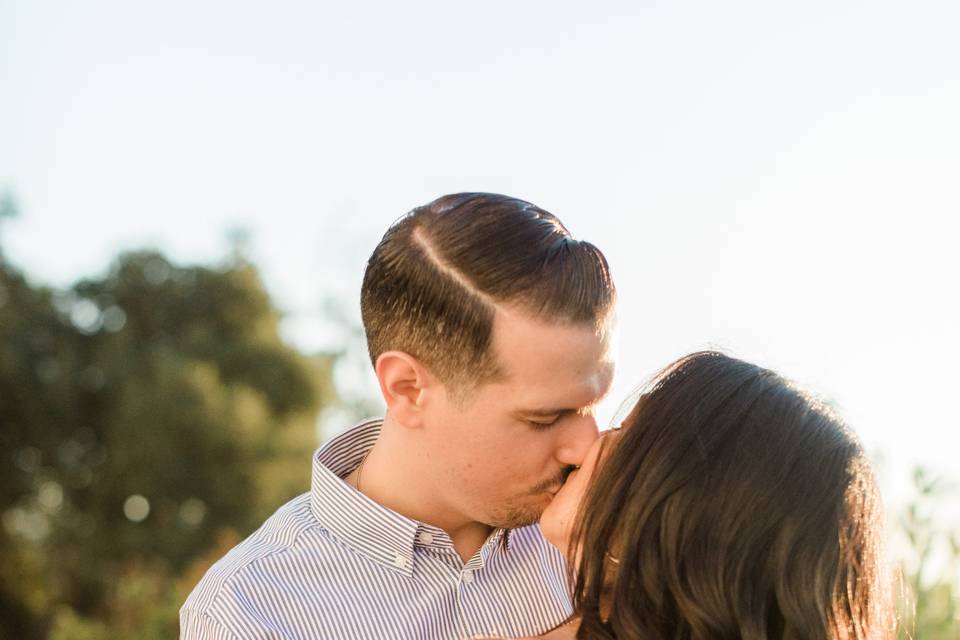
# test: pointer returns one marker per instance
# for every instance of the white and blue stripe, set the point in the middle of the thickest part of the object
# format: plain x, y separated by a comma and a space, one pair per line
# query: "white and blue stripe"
334, 564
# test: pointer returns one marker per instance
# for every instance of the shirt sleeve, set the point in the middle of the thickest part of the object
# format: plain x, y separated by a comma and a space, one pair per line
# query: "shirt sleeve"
200, 626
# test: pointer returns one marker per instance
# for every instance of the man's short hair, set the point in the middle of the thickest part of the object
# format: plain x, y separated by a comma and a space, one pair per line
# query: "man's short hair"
432, 284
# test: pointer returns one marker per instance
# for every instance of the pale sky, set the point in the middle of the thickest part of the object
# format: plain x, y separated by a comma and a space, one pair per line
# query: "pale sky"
779, 181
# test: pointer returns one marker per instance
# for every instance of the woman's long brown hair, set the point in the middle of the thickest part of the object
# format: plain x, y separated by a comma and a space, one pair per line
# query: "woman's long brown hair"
733, 505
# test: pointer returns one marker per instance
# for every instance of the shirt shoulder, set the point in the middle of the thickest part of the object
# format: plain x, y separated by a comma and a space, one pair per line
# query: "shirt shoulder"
279, 534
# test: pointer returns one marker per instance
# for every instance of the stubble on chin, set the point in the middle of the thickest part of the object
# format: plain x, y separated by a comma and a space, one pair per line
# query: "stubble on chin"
518, 515
527, 511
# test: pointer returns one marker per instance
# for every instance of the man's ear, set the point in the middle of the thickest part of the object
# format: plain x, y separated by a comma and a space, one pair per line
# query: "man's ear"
403, 382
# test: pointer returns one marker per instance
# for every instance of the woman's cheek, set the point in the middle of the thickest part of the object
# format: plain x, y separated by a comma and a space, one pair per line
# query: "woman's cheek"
562, 512
559, 517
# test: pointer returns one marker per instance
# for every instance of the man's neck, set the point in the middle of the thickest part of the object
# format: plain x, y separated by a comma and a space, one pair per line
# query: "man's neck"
390, 476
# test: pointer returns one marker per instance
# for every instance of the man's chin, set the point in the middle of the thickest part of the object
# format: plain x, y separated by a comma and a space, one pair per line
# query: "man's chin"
523, 515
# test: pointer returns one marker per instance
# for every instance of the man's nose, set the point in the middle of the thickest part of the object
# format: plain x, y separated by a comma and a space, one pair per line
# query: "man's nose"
579, 436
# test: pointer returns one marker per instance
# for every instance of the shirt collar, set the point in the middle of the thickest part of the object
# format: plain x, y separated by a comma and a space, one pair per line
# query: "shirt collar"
381, 534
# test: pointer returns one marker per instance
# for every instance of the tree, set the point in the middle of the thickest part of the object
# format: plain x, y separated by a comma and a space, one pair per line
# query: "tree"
143, 413
929, 601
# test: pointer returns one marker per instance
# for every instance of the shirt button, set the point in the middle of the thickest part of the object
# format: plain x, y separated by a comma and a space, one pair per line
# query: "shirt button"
399, 561
425, 537
467, 576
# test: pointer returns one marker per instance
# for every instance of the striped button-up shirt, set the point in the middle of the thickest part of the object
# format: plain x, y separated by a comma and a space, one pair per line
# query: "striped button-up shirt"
332, 563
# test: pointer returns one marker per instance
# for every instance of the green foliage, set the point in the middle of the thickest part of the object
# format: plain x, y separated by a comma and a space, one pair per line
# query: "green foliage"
143, 413
929, 603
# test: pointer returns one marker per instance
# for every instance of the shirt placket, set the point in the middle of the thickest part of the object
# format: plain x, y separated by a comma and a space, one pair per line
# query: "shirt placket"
469, 591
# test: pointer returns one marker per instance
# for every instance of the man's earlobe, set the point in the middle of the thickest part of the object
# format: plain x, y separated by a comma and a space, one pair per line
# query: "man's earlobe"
403, 380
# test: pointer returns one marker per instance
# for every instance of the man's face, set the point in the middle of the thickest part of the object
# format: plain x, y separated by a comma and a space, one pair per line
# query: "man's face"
504, 452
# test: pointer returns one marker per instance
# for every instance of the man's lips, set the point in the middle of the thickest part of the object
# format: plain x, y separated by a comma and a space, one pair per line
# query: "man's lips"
550, 490
555, 490
554, 485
